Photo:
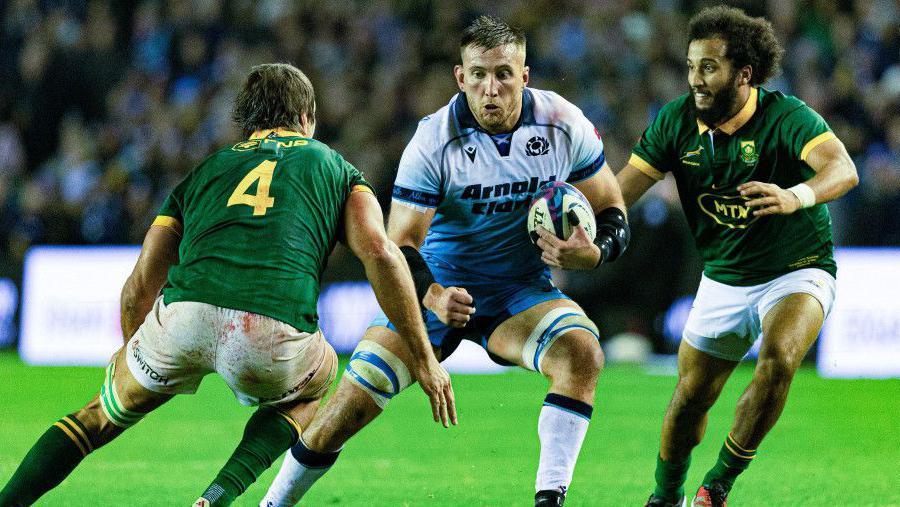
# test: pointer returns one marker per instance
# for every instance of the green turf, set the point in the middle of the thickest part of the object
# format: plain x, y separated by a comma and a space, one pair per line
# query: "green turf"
836, 444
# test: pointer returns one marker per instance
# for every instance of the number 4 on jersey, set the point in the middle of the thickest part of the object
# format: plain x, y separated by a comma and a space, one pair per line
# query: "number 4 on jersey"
261, 201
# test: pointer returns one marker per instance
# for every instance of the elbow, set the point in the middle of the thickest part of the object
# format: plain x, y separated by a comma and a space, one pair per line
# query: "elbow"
134, 293
382, 252
129, 298
852, 179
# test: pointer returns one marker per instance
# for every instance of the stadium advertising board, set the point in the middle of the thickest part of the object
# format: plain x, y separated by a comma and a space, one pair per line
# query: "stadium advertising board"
70, 303
861, 337
70, 312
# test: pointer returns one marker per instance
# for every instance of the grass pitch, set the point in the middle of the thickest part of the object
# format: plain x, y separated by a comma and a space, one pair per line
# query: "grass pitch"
836, 444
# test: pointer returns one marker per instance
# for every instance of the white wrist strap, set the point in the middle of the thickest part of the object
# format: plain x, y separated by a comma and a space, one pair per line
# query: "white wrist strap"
805, 194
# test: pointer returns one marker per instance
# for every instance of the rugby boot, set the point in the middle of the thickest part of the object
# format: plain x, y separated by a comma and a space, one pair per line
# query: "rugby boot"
549, 498
714, 496
654, 501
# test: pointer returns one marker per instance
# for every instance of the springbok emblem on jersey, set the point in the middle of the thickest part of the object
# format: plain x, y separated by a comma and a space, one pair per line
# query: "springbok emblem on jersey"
689, 154
748, 152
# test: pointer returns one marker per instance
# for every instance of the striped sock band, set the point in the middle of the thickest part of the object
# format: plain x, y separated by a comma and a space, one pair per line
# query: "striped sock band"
737, 450
76, 431
112, 407
733, 459
294, 424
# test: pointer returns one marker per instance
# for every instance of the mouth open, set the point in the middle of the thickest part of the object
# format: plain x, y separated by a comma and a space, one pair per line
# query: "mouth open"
491, 108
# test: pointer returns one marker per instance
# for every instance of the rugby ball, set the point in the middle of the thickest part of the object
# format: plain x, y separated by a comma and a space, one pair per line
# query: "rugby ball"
552, 208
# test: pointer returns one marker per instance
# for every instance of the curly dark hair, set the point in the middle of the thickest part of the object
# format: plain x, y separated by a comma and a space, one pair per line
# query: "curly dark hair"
274, 95
748, 41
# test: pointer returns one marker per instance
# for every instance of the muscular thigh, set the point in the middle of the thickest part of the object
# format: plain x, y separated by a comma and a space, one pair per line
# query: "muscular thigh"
525, 336
792, 309
790, 328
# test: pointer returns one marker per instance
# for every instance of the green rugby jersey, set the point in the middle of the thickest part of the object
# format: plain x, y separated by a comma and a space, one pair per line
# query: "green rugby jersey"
259, 220
768, 140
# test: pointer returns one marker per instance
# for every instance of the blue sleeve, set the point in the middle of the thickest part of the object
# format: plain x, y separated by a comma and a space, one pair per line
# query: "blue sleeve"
418, 179
587, 151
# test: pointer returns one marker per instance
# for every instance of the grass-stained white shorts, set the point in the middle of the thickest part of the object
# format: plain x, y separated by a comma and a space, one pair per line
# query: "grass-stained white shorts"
263, 360
725, 320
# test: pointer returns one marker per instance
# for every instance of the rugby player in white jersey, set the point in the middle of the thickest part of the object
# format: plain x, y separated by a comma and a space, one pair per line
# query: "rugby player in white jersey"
460, 202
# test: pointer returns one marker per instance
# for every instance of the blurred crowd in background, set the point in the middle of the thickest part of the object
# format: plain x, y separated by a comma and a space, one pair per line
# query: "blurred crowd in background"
105, 106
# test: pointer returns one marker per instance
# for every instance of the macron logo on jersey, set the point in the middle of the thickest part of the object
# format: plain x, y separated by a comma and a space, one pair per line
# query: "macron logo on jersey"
502, 203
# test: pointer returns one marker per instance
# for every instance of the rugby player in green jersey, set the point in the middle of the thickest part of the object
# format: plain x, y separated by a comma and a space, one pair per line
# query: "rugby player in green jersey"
238, 250
753, 168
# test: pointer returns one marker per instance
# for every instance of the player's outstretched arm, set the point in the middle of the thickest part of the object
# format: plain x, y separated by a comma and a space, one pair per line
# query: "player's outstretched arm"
392, 283
407, 227
633, 183
158, 253
835, 176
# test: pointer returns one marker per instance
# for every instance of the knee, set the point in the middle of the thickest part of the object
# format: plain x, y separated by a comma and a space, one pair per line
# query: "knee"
580, 359
775, 371
693, 396
378, 372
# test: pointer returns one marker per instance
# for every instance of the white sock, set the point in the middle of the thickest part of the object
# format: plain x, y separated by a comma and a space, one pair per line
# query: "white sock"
294, 479
561, 430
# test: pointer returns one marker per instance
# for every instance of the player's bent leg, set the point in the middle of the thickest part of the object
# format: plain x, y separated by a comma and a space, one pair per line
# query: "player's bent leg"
376, 372
122, 402
277, 425
701, 378
789, 330
268, 433
557, 339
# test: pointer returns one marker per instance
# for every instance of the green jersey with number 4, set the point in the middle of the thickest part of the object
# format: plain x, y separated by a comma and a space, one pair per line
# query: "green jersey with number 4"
259, 220
767, 141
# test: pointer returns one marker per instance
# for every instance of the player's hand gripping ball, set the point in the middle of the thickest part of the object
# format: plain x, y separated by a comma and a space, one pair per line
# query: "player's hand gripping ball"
559, 208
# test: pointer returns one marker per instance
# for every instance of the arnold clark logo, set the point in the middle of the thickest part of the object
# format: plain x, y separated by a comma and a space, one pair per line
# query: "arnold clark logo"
729, 211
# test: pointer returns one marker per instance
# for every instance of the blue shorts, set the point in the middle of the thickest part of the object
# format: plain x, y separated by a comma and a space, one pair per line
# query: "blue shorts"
495, 302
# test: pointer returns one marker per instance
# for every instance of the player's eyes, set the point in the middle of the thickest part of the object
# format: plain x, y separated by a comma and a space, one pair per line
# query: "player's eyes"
708, 68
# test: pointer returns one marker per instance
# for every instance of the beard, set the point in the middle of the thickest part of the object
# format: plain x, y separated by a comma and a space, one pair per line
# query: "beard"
723, 103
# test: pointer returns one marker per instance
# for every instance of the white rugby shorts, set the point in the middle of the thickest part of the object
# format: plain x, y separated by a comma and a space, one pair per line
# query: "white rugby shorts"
263, 360
725, 320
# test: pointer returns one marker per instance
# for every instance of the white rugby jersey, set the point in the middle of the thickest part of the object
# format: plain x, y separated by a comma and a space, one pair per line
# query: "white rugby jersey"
482, 185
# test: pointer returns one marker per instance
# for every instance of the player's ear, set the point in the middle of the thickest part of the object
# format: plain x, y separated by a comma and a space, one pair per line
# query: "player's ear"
460, 76
745, 74
525, 75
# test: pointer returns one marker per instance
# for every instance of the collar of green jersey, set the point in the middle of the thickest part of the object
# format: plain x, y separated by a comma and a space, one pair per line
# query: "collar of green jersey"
279, 132
737, 121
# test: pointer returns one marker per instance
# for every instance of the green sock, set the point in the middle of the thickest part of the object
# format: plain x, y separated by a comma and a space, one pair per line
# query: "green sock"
53, 457
267, 435
733, 459
670, 477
